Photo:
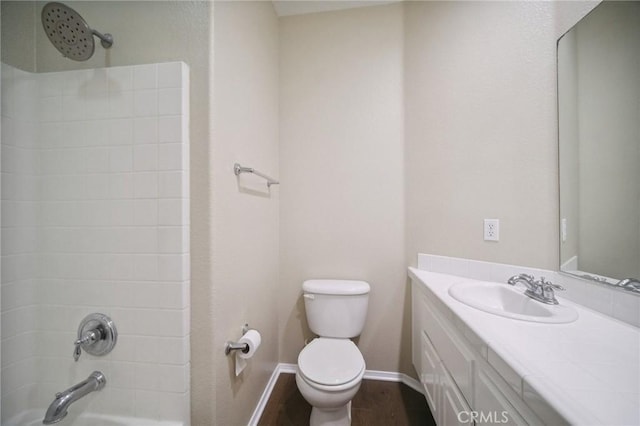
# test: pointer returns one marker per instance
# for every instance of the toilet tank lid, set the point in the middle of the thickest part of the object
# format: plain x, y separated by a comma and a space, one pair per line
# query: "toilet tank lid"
336, 287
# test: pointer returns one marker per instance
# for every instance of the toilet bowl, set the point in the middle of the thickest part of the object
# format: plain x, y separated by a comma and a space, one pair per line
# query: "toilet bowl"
331, 367
328, 376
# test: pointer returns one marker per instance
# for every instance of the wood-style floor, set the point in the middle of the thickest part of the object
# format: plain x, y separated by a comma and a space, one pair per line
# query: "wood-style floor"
376, 403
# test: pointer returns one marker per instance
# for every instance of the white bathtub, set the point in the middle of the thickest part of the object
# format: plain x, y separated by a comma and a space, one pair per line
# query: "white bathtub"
34, 418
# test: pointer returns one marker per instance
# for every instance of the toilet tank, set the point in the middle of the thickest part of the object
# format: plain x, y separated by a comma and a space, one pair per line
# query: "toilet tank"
336, 308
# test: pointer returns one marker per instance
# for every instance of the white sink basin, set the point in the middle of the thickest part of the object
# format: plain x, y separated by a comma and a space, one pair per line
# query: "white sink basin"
510, 302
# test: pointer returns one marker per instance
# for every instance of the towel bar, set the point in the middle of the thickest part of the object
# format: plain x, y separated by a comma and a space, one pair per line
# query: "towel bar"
237, 169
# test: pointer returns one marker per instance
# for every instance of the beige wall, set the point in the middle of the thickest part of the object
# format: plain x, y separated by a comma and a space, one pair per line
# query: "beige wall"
341, 156
481, 138
244, 213
479, 141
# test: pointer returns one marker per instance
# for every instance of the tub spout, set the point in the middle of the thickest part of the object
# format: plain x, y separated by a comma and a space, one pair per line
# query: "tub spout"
58, 408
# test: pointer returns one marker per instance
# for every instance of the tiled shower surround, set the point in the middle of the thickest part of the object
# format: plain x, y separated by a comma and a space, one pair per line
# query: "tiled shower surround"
95, 218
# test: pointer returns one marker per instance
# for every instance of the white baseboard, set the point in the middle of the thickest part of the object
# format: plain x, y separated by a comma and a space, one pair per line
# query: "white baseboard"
264, 398
391, 376
288, 368
384, 376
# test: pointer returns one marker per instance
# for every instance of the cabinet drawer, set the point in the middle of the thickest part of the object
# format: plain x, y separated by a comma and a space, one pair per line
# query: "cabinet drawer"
456, 357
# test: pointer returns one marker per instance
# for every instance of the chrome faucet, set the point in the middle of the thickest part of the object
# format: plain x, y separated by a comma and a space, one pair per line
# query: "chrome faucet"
541, 290
58, 408
631, 284
527, 280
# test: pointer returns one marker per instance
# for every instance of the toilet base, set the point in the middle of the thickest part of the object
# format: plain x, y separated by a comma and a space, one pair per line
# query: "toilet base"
324, 417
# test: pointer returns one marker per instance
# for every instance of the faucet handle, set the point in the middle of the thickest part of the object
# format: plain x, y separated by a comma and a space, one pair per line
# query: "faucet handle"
88, 338
77, 351
547, 291
544, 282
97, 335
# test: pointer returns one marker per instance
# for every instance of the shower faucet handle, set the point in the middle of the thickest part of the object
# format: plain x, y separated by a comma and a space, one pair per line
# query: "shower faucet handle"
97, 335
89, 338
76, 353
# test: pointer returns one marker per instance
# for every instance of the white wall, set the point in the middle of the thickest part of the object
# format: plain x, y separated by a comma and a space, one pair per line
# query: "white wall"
244, 211
111, 235
19, 239
341, 156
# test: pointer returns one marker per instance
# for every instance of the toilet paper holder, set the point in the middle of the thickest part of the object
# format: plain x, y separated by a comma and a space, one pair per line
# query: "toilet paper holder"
230, 346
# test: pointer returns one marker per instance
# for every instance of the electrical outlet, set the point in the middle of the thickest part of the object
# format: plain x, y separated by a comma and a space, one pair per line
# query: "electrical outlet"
563, 229
491, 229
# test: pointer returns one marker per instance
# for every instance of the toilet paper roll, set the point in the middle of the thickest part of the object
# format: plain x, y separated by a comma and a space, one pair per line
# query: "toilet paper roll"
253, 339
240, 365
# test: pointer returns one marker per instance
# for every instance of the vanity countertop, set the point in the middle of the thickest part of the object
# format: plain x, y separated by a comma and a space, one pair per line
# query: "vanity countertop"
588, 371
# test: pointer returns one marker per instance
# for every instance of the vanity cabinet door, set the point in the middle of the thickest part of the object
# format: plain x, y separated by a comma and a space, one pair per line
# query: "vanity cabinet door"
491, 405
455, 355
454, 410
429, 374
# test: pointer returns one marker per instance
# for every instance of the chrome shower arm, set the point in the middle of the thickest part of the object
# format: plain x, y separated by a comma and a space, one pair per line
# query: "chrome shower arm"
106, 39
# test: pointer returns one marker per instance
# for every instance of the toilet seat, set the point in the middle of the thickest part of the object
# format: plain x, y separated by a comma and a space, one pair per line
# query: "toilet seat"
331, 362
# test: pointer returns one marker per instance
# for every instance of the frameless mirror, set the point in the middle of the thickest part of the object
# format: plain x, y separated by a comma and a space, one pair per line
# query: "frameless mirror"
599, 136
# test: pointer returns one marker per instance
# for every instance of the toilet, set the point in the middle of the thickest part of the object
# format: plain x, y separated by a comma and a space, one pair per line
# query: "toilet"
331, 367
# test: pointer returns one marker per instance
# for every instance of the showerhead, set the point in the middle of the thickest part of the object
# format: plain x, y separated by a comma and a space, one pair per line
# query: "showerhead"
69, 33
